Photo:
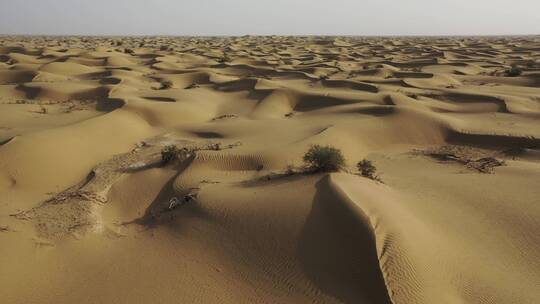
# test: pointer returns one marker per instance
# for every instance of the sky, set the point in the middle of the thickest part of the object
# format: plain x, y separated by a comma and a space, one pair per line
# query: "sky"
270, 17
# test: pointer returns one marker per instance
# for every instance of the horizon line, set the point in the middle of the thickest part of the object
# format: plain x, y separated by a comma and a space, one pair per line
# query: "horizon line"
269, 35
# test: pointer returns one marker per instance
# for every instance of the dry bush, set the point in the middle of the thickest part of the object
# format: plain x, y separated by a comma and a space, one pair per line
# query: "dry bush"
172, 153
367, 169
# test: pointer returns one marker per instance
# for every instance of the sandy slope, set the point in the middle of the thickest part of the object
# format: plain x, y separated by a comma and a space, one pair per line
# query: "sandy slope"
85, 211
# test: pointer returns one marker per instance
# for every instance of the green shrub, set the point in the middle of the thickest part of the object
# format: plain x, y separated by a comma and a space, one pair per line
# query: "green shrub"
324, 159
366, 168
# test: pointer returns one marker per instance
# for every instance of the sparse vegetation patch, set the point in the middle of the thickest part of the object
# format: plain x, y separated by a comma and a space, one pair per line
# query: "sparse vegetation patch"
472, 158
172, 153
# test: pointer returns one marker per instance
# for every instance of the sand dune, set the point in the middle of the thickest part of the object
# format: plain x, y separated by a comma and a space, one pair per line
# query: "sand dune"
89, 214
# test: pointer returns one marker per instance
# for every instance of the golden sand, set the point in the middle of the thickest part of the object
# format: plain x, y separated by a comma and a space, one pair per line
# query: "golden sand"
89, 215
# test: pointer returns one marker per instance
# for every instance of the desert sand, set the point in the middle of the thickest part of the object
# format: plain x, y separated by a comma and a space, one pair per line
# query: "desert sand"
90, 214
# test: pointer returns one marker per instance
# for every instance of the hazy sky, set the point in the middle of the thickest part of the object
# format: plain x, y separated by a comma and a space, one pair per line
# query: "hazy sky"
291, 17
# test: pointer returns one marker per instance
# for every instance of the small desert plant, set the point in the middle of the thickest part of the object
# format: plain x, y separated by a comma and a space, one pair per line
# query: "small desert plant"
192, 86
166, 84
224, 116
513, 71
367, 169
214, 146
324, 159
290, 114
171, 153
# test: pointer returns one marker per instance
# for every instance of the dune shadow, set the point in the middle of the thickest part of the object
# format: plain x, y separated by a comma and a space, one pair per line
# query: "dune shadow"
30, 92
158, 211
207, 134
4, 141
311, 102
353, 85
337, 250
110, 80
108, 104
159, 98
492, 140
